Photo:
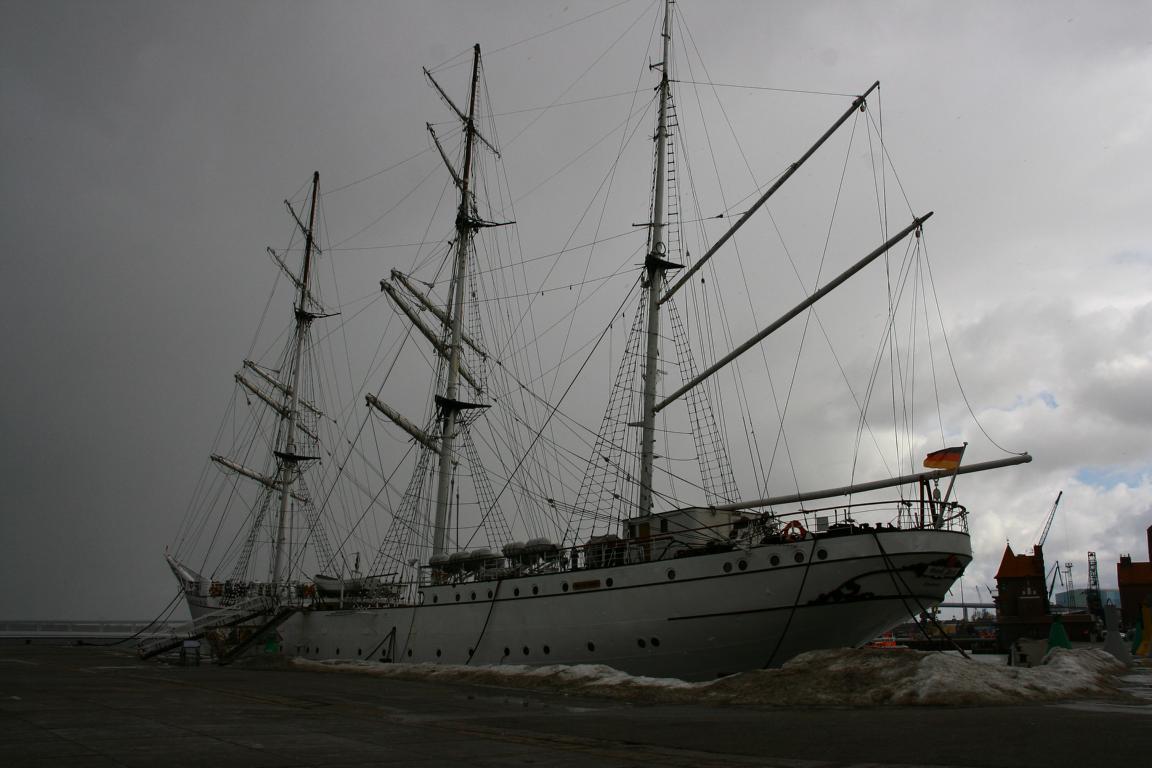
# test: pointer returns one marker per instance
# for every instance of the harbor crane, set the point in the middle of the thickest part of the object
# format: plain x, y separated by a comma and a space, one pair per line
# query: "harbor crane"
1048, 524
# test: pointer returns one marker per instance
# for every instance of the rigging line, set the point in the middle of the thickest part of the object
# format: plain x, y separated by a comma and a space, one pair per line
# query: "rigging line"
530, 259
565, 103
558, 28
608, 178
756, 451
391, 245
569, 286
447, 63
952, 360
580, 77
766, 88
891, 164
555, 409
607, 134
811, 311
375, 173
396, 205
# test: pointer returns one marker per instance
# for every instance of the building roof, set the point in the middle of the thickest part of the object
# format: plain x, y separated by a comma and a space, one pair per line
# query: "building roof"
1021, 566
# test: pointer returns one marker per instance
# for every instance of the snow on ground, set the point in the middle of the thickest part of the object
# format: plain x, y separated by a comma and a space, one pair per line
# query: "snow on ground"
839, 677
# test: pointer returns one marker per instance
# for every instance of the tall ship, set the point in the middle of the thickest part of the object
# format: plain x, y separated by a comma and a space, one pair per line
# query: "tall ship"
501, 524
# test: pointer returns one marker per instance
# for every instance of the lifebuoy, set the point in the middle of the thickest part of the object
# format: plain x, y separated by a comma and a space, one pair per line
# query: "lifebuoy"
794, 531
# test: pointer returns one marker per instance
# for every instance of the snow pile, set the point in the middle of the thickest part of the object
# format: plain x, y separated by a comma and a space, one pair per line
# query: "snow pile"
839, 677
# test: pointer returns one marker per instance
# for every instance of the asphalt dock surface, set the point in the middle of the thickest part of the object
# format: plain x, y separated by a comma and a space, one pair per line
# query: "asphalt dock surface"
87, 706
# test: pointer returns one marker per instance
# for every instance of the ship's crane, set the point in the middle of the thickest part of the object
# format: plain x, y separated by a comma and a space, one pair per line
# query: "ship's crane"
1048, 523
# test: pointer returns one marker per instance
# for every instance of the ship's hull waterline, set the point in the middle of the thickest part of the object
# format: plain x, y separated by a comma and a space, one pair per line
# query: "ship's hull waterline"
693, 618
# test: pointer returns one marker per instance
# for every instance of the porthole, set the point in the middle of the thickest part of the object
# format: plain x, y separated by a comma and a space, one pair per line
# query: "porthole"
591, 646
471, 651
547, 650
535, 590
457, 597
727, 567
473, 595
507, 651
525, 650
655, 642
359, 652
489, 594
608, 583
435, 598
337, 651
640, 642
409, 652
742, 565
516, 592
671, 574
822, 554
798, 557
437, 653
775, 560
564, 587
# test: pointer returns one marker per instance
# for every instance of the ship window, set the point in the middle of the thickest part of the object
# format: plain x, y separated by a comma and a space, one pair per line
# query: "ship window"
457, 597
435, 598
547, 650
742, 565
727, 567
591, 646
564, 587
608, 582
359, 652
663, 525
437, 653
535, 590
337, 651
507, 651
775, 560
822, 554
489, 594
409, 651
671, 574
655, 642
525, 650
516, 592
798, 557
471, 651
473, 595
640, 642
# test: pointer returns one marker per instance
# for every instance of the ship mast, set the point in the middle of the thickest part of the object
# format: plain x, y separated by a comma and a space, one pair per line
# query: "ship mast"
655, 264
450, 404
288, 458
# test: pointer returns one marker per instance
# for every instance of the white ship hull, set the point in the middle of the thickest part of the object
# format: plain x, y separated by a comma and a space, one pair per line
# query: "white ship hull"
694, 618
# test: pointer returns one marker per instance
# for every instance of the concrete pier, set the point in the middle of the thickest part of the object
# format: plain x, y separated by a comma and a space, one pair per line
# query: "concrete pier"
86, 706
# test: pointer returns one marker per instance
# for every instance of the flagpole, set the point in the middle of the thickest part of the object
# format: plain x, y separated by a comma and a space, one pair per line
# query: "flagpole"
952, 480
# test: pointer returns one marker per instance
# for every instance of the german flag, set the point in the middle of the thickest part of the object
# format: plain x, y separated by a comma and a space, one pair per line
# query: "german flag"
946, 458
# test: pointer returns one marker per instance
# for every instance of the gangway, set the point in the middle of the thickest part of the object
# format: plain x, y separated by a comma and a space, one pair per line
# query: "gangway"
228, 616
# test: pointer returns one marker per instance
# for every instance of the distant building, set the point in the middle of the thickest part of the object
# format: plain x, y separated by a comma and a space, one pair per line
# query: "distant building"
1021, 597
1078, 598
1135, 581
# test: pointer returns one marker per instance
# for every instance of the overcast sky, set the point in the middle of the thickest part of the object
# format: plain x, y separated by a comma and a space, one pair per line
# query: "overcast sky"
147, 147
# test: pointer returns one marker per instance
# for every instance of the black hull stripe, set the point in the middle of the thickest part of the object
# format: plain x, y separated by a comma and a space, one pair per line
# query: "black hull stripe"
830, 604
